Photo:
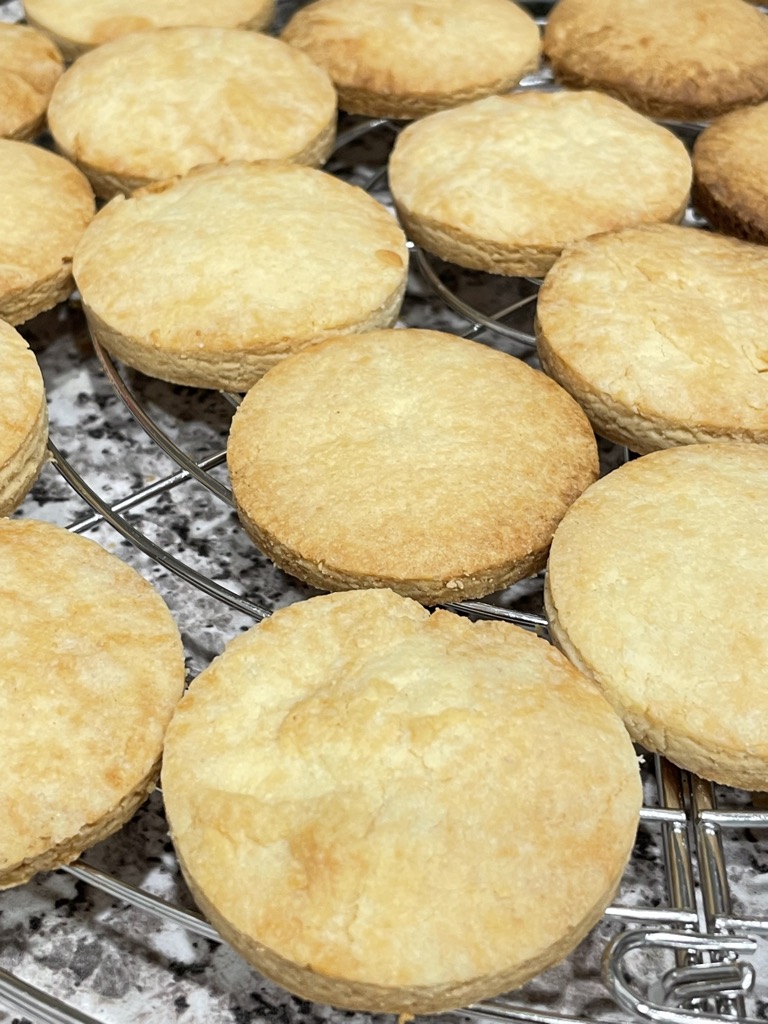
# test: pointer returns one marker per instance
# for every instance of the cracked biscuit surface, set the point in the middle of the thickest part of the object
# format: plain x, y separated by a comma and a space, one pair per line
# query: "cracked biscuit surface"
656, 589
226, 94
92, 668
79, 27
504, 183
236, 267
408, 58
681, 59
369, 819
659, 333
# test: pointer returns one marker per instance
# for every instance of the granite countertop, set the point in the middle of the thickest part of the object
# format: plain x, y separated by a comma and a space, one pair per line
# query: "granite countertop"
120, 964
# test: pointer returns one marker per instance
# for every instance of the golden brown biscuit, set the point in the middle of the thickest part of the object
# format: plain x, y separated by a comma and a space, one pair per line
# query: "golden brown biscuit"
210, 279
47, 204
23, 419
407, 459
92, 668
226, 95
660, 334
371, 821
407, 58
30, 65
679, 59
657, 589
77, 27
504, 183
730, 173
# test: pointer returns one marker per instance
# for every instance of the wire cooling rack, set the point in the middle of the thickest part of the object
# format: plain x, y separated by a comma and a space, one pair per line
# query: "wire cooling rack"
115, 937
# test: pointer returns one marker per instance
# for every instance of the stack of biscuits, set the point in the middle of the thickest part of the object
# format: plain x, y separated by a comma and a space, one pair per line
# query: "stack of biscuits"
380, 768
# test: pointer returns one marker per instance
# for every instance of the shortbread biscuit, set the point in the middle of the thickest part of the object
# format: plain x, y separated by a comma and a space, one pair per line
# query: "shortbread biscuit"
151, 105
680, 59
407, 459
660, 334
23, 419
504, 183
30, 66
730, 173
371, 823
92, 669
47, 204
77, 27
408, 58
657, 589
209, 280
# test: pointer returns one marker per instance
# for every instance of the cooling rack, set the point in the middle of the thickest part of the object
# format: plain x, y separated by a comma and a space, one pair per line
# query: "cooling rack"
139, 465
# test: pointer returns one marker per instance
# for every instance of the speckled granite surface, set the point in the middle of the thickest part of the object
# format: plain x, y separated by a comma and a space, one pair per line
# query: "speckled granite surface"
119, 964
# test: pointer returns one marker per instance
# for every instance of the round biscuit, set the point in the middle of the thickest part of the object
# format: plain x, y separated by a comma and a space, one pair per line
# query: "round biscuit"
30, 66
23, 419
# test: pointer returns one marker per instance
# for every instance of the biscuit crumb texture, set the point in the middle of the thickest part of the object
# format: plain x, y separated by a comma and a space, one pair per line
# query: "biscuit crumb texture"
660, 334
408, 459
92, 669
656, 589
398, 811
408, 58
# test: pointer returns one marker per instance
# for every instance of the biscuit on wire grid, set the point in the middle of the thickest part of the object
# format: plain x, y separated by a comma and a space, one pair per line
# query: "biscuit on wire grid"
92, 668
377, 773
408, 58
23, 418
77, 27
30, 66
659, 334
46, 205
684, 60
730, 173
210, 279
504, 183
657, 589
151, 105
408, 459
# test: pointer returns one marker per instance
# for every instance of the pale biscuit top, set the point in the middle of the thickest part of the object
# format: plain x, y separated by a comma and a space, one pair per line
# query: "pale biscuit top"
538, 169
685, 59
407, 58
242, 263
47, 204
23, 418
77, 27
92, 668
731, 172
379, 772
658, 590
30, 66
408, 458
666, 325
226, 95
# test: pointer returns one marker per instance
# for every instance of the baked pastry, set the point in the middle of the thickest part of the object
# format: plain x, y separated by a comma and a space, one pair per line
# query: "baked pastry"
227, 95
79, 27
730, 176
47, 204
210, 279
657, 589
30, 65
502, 184
407, 58
379, 772
363, 462
24, 419
92, 668
685, 60
659, 334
